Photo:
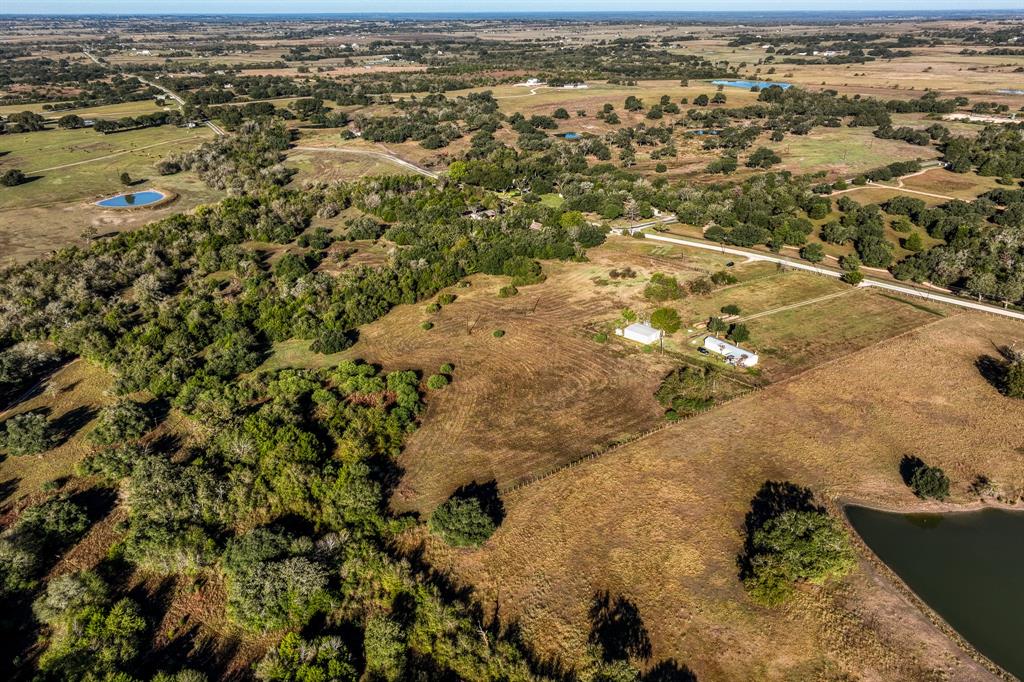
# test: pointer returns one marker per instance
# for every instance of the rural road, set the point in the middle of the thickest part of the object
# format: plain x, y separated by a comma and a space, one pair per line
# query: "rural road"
868, 282
390, 158
170, 93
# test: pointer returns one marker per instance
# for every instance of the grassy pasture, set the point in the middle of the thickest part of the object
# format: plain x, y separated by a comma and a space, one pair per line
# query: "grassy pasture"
659, 521
55, 208
110, 111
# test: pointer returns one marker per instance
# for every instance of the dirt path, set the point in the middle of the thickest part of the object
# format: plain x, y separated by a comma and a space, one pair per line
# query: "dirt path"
109, 156
898, 186
798, 304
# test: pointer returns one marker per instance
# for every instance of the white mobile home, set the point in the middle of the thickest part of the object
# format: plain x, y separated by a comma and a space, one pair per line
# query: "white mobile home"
733, 354
641, 333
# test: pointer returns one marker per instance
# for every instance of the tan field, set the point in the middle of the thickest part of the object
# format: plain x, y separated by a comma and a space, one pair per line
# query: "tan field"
659, 521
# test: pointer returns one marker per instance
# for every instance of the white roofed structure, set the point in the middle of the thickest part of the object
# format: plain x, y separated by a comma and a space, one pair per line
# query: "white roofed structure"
733, 354
641, 333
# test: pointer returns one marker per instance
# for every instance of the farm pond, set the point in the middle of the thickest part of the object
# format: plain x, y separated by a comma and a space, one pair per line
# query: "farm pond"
965, 565
132, 199
760, 85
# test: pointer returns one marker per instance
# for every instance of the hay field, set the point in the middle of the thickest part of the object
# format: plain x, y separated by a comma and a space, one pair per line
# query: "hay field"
659, 521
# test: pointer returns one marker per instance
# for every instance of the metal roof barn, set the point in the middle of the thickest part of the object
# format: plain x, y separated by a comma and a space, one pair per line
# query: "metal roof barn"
734, 354
642, 333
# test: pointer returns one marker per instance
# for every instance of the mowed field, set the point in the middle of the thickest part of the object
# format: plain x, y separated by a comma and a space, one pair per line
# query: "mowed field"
659, 521
547, 393
69, 170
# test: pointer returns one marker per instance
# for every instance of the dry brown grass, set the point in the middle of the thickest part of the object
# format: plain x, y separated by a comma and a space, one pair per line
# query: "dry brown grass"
73, 394
660, 520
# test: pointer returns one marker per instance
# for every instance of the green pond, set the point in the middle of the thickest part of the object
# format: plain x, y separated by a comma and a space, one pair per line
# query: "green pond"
968, 567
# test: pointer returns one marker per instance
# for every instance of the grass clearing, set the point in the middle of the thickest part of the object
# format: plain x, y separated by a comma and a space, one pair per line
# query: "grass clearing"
72, 397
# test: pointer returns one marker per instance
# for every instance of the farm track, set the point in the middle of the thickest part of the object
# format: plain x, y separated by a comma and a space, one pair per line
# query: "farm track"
384, 156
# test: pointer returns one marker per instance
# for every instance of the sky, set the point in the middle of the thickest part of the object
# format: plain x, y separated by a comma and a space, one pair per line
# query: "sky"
298, 6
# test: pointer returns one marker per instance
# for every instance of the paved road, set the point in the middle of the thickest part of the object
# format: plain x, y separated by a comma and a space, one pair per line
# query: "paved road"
868, 282
167, 91
384, 156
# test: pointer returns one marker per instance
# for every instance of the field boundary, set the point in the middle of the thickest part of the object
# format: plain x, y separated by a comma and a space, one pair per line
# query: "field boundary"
527, 481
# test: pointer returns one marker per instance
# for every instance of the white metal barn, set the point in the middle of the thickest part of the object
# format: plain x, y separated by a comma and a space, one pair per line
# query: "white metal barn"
641, 332
733, 354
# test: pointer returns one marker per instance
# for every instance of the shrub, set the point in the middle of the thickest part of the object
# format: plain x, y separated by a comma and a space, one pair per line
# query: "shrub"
332, 340
125, 420
601, 337
446, 299
462, 522
666, 319
168, 167
1014, 380
507, 291
814, 253
687, 390
446, 368
927, 482
914, 242
12, 177
297, 660
114, 462
28, 433
717, 325
426, 326
853, 277
437, 382
722, 278
433, 308
662, 288
701, 286
731, 309
661, 168
498, 333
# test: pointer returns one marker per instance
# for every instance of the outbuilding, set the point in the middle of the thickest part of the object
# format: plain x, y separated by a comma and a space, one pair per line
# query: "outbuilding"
640, 332
733, 354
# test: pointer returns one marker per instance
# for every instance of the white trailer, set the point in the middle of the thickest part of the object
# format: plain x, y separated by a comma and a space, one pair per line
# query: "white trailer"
733, 354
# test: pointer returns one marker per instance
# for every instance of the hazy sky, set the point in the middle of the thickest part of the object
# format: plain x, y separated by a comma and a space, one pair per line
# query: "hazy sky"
293, 6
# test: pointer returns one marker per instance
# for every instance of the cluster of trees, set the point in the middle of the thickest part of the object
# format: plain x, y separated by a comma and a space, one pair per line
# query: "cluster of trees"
982, 250
157, 118
790, 540
687, 390
246, 162
865, 227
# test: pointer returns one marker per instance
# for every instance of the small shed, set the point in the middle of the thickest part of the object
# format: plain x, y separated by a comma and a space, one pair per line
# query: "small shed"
733, 354
640, 332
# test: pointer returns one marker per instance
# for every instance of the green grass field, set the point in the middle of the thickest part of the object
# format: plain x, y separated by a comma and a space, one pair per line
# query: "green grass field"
72, 165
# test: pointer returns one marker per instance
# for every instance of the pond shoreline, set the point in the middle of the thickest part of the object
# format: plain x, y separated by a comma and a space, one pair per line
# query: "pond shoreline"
901, 587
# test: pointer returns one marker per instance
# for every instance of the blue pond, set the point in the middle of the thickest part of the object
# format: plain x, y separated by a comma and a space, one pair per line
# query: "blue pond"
752, 84
570, 136
132, 200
